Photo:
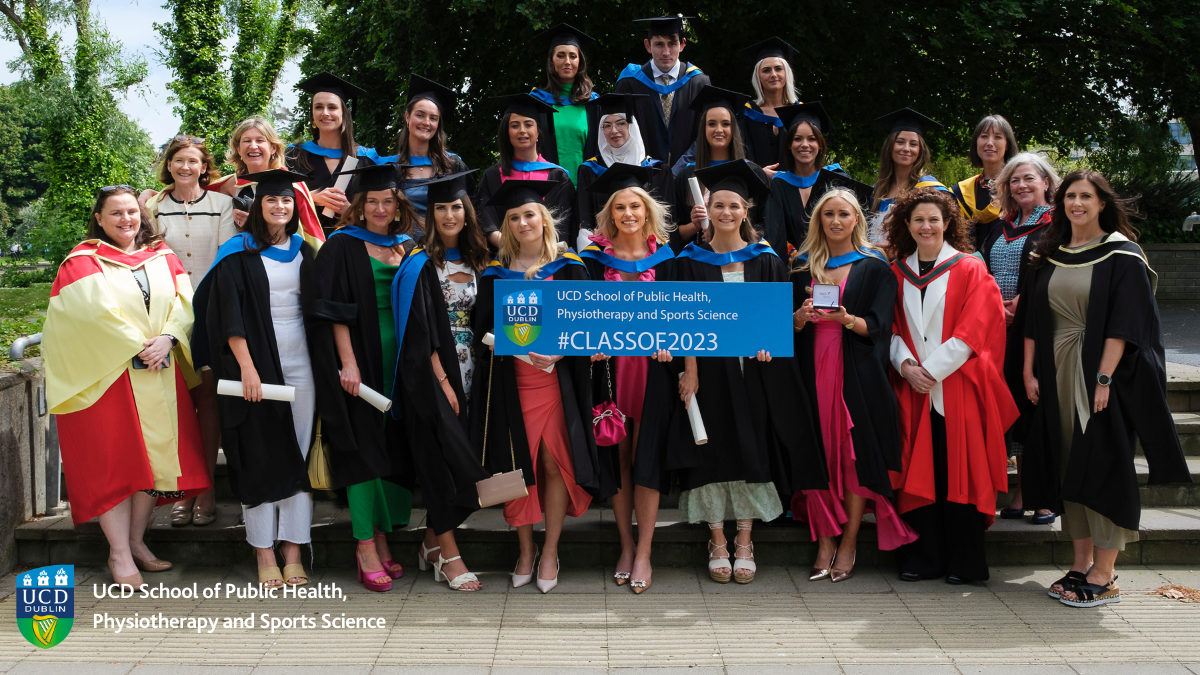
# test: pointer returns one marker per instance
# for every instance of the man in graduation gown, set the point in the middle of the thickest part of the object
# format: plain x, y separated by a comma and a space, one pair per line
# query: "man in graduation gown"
670, 84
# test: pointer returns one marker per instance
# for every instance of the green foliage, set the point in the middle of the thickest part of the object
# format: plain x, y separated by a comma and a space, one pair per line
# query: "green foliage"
17, 279
22, 312
20, 155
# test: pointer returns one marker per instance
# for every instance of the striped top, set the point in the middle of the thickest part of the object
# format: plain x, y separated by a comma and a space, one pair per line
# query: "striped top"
194, 230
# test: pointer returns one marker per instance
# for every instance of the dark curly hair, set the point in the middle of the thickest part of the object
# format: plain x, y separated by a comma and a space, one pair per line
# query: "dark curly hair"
1114, 217
901, 244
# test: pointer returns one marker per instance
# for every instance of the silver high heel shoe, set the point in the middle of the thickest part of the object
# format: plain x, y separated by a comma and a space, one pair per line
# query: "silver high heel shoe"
519, 580
547, 585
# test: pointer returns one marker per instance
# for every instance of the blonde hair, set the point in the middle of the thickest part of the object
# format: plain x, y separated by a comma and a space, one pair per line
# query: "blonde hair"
263, 125
789, 83
1008, 205
815, 245
657, 223
746, 229
509, 247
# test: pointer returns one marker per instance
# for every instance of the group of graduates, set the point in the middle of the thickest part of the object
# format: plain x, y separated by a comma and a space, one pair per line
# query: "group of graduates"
1012, 314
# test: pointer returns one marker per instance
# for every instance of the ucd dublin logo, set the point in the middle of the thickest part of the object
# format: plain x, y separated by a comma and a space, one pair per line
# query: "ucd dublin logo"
523, 316
46, 604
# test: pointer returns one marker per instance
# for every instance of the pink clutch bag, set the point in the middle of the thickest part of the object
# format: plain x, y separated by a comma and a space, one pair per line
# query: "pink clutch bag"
608, 422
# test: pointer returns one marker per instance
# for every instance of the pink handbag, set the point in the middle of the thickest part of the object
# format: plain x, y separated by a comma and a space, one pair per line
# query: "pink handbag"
608, 422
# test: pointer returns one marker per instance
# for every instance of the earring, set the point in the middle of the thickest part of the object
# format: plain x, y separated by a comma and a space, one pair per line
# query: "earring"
397, 216
362, 217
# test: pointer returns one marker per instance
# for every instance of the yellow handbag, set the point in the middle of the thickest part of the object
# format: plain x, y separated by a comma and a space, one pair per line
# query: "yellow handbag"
319, 475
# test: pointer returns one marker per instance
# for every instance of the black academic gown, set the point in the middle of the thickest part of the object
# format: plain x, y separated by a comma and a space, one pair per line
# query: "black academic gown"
1014, 347
504, 420
681, 206
320, 177
366, 443
550, 141
761, 139
590, 203
417, 195
759, 418
446, 464
870, 294
662, 389
786, 215
664, 142
1100, 471
265, 462
560, 201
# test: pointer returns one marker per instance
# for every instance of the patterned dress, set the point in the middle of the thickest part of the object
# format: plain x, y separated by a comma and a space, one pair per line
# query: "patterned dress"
460, 299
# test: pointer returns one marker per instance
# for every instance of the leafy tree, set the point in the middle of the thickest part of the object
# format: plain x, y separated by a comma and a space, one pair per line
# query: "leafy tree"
20, 154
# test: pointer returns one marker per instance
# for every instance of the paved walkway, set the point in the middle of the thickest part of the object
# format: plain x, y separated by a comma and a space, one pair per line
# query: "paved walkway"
869, 624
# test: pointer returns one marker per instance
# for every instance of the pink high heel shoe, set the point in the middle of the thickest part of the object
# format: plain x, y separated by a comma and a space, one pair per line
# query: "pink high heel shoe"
372, 581
393, 568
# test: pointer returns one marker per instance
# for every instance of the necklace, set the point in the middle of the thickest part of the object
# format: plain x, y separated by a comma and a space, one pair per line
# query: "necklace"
523, 265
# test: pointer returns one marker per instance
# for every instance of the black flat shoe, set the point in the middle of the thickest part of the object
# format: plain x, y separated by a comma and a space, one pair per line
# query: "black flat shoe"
910, 576
1043, 519
1012, 514
955, 580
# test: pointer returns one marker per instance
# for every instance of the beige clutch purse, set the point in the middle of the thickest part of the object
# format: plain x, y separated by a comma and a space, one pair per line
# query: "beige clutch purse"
501, 487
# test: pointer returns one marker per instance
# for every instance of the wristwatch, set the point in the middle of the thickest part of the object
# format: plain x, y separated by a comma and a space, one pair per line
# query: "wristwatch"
1103, 380
850, 324
174, 340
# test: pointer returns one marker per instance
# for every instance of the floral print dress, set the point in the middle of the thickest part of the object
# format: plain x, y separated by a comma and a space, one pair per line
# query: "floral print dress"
460, 300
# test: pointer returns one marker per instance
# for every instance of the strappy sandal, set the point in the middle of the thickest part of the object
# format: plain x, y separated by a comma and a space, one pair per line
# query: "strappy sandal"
456, 584
393, 568
1069, 579
294, 571
423, 561
1092, 595
747, 564
719, 562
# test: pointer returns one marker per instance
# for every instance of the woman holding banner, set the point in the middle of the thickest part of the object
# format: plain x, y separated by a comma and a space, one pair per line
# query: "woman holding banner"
758, 417
843, 356
434, 300
630, 244
533, 413
354, 276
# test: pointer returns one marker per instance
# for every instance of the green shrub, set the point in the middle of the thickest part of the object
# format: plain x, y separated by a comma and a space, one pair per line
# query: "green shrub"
18, 279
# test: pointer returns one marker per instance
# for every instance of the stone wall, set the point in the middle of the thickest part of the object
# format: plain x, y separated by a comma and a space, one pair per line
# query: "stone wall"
23, 426
1178, 267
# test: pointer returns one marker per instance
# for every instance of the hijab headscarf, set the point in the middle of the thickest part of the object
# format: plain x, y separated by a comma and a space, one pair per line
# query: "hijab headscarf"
633, 152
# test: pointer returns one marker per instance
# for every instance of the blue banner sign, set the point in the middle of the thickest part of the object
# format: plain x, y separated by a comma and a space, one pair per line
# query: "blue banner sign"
638, 318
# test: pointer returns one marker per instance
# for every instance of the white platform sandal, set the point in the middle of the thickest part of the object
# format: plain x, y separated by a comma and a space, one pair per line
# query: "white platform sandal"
747, 563
456, 584
716, 562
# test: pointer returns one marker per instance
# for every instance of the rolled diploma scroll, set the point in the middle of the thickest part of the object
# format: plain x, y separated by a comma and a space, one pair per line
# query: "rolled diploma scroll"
693, 411
341, 183
490, 340
697, 198
270, 392
376, 399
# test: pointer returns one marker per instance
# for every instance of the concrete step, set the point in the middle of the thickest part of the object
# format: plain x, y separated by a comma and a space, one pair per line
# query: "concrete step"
1169, 536
1183, 387
1152, 495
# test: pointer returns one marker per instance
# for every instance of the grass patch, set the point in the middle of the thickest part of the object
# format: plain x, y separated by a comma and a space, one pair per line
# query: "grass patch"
22, 312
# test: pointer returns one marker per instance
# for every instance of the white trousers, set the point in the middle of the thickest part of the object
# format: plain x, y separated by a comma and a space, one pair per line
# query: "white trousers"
285, 520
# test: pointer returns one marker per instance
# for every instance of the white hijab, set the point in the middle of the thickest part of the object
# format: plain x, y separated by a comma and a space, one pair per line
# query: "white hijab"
633, 152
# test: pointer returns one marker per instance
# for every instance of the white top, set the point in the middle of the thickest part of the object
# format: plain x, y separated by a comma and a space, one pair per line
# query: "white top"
674, 72
924, 319
195, 230
284, 279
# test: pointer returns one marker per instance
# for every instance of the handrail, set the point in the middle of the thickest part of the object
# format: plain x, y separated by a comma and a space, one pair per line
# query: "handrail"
17, 351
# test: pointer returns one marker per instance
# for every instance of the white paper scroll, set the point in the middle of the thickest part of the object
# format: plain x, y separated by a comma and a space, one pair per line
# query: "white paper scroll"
697, 197
342, 181
376, 399
270, 392
490, 340
693, 411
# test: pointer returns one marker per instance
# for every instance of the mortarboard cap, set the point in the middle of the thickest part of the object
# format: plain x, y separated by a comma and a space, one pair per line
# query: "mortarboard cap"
620, 176
564, 34
865, 193
666, 25
443, 97
771, 47
611, 104
377, 177
276, 182
735, 176
516, 193
711, 97
907, 119
812, 112
524, 105
332, 84
448, 188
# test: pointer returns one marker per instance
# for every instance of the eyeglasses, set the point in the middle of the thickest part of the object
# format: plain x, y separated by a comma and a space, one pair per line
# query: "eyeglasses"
609, 127
190, 139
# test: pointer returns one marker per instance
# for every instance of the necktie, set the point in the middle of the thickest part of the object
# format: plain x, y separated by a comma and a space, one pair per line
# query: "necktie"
667, 99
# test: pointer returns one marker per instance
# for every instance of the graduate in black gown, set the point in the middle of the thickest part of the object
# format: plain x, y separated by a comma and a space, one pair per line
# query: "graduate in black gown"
631, 244
619, 142
519, 141
421, 145
435, 362
568, 90
774, 87
761, 438
670, 84
803, 176
718, 140
1096, 369
333, 126
536, 421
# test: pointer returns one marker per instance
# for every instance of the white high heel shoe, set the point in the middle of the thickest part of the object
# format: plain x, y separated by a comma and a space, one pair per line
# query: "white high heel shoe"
519, 580
457, 582
423, 562
547, 585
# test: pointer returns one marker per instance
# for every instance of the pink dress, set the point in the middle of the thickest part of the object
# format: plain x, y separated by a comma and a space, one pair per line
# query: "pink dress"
631, 370
823, 509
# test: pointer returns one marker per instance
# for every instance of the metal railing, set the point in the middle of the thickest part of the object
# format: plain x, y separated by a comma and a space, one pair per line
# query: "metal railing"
17, 351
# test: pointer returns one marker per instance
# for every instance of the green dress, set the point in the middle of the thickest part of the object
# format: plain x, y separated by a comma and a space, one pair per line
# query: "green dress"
380, 504
570, 133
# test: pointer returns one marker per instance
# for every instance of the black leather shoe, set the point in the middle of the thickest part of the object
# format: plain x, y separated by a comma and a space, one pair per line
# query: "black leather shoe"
1043, 519
1012, 514
910, 576
955, 580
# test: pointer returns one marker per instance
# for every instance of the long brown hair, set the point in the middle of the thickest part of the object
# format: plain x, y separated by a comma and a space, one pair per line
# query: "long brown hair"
704, 153
958, 229
887, 168
408, 217
438, 154
504, 144
179, 143
349, 147
146, 234
256, 224
582, 91
1114, 218
471, 244
785, 141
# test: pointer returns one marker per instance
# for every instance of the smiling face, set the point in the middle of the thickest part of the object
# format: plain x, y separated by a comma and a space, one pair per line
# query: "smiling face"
1082, 203
628, 213
664, 50
565, 60
379, 209
449, 220
186, 166
718, 127
906, 149
422, 121
615, 130
771, 74
806, 148
726, 210
327, 112
255, 150
277, 211
927, 227
525, 224
838, 219
522, 132
991, 145
120, 218
1028, 187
